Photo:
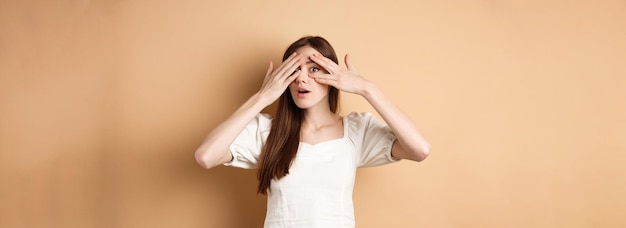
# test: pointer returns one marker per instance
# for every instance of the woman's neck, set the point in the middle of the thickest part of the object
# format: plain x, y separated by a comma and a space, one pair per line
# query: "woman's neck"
319, 116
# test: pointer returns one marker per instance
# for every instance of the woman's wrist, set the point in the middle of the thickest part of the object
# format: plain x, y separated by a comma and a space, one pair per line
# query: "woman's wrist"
369, 89
262, 100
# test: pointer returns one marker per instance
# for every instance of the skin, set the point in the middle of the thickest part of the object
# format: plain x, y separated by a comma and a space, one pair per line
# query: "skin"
320, 124
308, 69
409, 144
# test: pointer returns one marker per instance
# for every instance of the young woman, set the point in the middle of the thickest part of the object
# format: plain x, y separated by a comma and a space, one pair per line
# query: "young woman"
307, 154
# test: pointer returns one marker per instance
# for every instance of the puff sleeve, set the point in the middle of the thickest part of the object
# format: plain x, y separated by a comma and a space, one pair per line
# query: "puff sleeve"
246, 148
372, 138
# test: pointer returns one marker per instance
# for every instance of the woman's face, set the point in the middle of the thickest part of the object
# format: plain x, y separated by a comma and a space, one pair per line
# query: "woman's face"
306, 92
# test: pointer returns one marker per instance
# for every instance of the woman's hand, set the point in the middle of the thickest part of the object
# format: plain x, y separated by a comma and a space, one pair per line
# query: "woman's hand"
347, 80
277, 81
410, 143
215, 149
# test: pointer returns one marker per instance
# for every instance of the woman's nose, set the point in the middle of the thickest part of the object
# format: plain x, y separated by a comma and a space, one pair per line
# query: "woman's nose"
302, 76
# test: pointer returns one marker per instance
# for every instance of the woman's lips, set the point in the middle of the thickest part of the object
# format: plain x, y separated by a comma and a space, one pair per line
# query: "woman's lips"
303, 92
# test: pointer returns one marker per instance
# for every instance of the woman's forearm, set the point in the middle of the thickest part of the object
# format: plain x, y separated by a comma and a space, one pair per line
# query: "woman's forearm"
414, 146
215, 149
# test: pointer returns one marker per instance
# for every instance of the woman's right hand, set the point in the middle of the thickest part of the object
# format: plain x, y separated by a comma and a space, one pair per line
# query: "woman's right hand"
277, 81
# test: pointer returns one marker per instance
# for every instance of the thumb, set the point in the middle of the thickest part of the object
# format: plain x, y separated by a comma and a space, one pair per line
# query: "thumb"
269, 69
348, 64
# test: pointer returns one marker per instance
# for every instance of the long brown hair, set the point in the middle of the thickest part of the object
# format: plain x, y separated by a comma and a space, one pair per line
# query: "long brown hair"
282, 143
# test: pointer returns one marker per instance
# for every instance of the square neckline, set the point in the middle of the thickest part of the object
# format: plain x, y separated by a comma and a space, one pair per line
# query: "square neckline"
345, 135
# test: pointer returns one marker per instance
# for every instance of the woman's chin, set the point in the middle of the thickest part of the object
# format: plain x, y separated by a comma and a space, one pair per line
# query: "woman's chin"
303, 106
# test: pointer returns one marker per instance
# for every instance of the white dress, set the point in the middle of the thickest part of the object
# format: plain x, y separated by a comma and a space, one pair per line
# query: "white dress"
317, 192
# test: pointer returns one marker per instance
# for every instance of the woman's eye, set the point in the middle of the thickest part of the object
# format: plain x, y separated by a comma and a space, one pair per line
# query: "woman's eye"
315, 69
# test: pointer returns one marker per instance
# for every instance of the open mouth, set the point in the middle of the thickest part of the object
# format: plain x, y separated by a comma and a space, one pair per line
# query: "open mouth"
303, 91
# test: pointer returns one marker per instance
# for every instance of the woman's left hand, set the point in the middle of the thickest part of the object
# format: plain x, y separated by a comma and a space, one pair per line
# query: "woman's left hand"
347, 80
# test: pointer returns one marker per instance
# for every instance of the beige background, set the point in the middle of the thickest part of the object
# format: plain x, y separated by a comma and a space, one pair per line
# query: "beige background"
102, 104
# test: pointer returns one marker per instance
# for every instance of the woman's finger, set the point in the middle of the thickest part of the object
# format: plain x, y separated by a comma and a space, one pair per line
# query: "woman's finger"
291, 72
320, 60
269, 72
270, 69
286, 62
323, 76
291, 78
327, 82
284, 69
325, 63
